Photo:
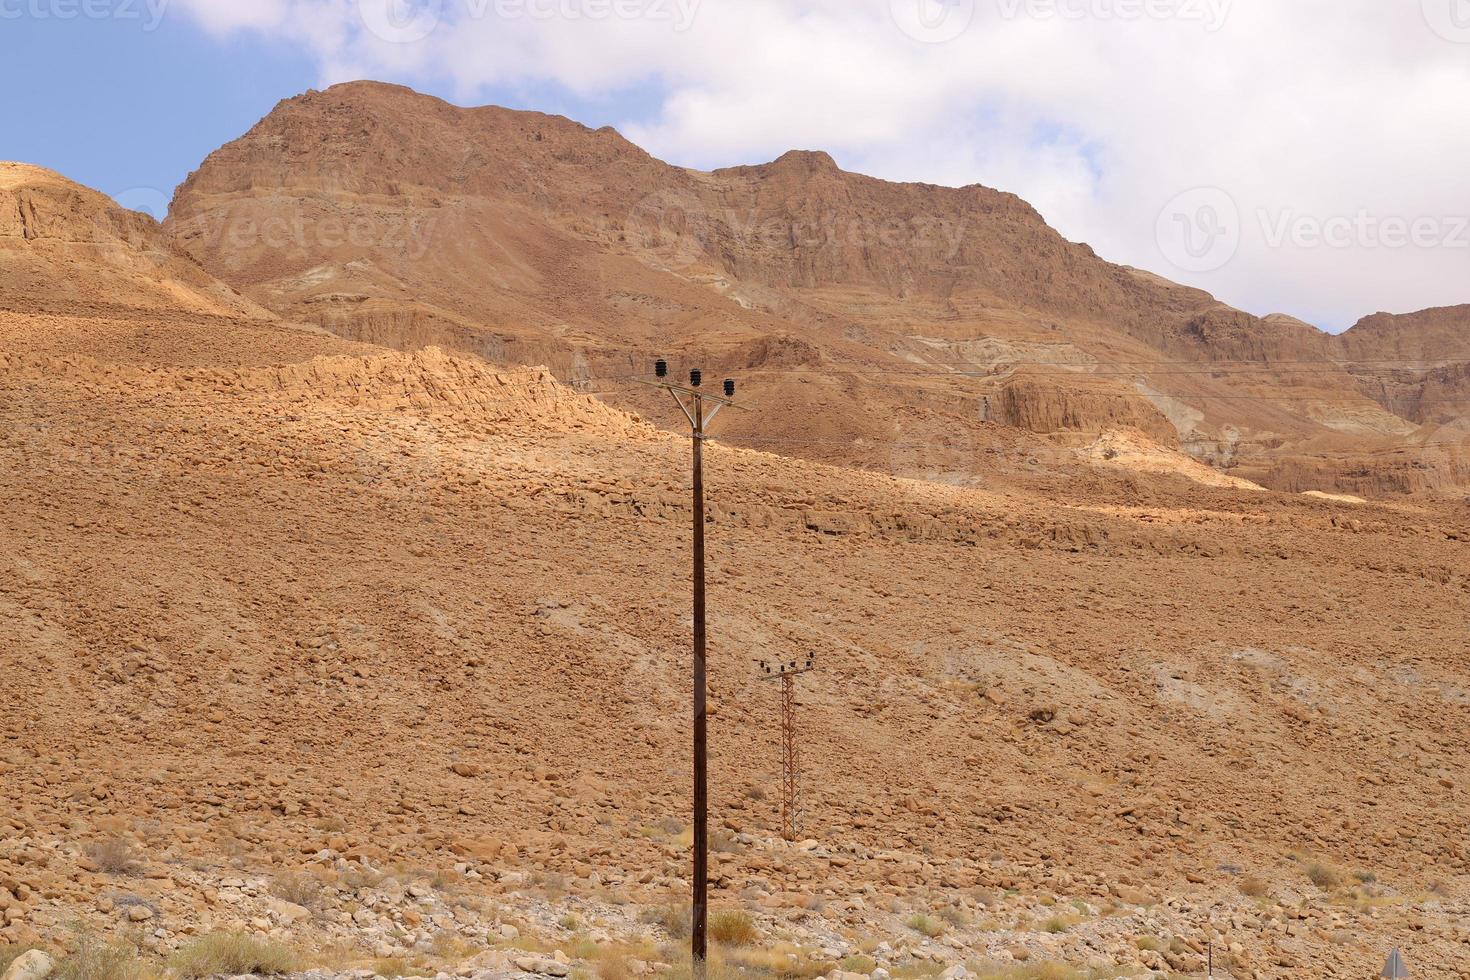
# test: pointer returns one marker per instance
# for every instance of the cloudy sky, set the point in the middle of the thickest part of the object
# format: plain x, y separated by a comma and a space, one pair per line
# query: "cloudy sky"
1299, 156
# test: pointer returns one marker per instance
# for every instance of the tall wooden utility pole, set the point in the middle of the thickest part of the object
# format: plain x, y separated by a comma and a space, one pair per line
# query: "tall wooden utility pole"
691, 401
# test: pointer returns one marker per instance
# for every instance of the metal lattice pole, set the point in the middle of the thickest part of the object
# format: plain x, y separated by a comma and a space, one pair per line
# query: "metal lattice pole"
790, 747
790, 759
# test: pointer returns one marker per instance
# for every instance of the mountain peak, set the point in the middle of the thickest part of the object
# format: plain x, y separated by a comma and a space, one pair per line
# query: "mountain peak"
816, 161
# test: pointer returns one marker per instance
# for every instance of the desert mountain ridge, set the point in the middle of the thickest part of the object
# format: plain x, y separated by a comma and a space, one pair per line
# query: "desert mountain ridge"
865, 317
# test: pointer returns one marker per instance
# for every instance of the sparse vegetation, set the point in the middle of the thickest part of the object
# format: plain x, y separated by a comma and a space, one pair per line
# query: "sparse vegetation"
114, 856
1324, 876
95, 960
859, 964
1254, 887
955, 916
1058, 924
925, 925
232, 953
675, 920
733, 928
298, 889
1040, 971
614, 968
393, 968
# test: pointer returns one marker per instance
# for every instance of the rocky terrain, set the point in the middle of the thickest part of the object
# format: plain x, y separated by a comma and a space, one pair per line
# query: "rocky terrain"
866, 318
329, 654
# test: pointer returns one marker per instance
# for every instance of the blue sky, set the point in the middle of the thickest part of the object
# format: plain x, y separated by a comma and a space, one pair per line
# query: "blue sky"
123, 103
1248, 126
116, 107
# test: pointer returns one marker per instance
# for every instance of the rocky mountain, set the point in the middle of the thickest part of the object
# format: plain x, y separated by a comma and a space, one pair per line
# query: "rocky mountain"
378, 657
897, 326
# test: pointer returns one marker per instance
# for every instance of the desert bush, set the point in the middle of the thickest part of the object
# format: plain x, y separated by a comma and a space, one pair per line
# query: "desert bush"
614, 968
782, 960
675, 920
1058, 924
115, 856
1040, 971
95, 960
858, 964
392, 969
582, 948
298, 889
733, 928
233, 954
955, 916
924, 924
1254, 887
1324, 876
715, 969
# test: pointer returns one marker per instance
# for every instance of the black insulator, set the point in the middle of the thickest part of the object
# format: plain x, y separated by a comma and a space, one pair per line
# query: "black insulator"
696, 378
729, 387
661, 368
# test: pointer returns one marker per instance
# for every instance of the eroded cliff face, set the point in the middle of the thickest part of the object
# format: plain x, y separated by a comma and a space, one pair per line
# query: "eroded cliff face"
385, 215
1045, 404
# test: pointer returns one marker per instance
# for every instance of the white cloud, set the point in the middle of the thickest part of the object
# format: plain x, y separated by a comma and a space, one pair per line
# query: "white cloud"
1099, 112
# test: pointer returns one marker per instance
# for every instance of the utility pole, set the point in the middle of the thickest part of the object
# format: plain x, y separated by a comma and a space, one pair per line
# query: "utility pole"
790, 751
691, 401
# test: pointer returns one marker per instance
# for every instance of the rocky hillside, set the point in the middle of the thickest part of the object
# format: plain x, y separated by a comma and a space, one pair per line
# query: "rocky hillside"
374, 658
866, 317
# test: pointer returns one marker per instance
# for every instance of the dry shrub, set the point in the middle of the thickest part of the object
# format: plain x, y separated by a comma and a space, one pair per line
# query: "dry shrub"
955, 916
94, 960
395, 968
115, 856
1324, 876
924, 925
614, 967
733, 928
675, 920
1058, 924
297, 888
232, 953
1041, 971
1254, 887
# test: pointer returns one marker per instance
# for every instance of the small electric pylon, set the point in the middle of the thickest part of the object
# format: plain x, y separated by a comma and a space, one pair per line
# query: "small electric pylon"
790, 751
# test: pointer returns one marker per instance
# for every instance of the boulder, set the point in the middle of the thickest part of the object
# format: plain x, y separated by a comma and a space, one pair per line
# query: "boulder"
34, 965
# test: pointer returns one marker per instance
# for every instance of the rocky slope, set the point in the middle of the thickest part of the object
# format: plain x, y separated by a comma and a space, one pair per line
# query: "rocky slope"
377, 655
866, 317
